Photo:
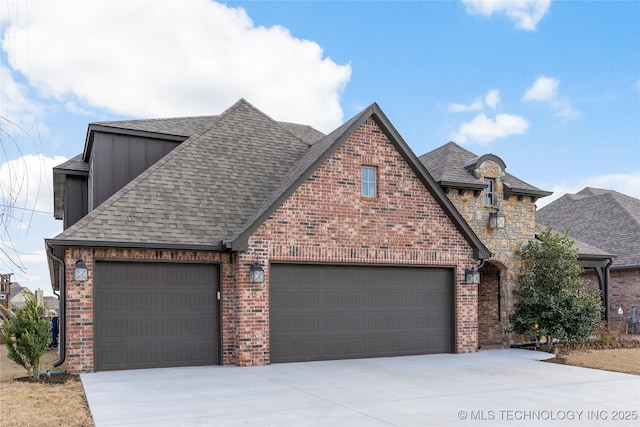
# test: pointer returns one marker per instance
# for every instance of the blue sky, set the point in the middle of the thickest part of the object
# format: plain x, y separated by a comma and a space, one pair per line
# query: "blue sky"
552, 87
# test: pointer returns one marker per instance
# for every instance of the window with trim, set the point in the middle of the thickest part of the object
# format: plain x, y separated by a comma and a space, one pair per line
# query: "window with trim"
490, 192
369, 181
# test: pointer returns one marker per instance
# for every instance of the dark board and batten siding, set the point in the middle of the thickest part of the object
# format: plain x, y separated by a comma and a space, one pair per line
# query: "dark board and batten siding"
325, 312
154, 315
118, 159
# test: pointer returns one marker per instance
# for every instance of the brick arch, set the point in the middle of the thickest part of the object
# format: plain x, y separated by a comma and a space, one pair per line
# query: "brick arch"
501, 264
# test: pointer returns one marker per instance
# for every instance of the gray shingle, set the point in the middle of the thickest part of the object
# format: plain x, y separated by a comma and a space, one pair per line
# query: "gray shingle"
605, 219
204, 190
446, 166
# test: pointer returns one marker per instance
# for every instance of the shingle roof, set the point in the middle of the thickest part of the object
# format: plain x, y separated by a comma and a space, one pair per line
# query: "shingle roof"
605, 219
447, 166
217, 186
200, 193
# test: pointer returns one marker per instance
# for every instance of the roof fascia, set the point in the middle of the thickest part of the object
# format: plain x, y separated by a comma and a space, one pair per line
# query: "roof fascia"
374, 111
536, 194
463, 185
93, 128
59, 243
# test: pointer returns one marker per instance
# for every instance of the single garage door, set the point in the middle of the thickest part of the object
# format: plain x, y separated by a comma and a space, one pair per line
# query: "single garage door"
154, 315
324, 312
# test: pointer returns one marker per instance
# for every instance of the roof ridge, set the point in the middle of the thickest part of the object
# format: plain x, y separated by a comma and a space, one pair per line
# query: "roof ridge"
274, 121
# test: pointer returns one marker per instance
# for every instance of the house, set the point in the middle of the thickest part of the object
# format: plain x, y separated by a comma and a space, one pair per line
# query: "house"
237, 239
17, 299
608, 223
5, 293
501, 211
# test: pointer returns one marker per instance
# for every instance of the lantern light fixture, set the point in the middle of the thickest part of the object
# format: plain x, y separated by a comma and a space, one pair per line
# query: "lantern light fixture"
471, 276
496, 220
80, 271
256, 273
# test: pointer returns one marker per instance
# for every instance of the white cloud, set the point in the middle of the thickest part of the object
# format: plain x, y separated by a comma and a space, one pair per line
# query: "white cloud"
169, 58
545, 89
492, 99
19, 115
525, 13
26, 185
625, 183
459, 108
484, 129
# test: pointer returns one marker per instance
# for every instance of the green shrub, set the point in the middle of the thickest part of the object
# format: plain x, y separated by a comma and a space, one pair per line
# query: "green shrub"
27, 335
551, 301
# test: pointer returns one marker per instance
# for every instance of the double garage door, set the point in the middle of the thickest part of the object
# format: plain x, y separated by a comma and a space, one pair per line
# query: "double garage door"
324, 312
153, 315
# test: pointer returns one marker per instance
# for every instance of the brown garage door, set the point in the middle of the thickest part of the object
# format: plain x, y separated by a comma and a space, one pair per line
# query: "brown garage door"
153, 315
324, 312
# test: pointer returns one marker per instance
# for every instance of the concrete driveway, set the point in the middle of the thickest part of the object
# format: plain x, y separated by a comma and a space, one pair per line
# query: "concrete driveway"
493, 387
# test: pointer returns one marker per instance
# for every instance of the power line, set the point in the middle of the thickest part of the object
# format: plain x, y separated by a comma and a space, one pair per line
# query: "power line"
26, 209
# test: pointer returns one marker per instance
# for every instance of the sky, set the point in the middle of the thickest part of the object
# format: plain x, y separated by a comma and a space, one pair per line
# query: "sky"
551, 87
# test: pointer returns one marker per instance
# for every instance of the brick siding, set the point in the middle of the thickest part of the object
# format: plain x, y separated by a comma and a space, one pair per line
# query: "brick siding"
325, 220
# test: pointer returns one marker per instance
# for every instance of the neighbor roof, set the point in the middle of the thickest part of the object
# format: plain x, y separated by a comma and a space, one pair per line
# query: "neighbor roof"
605, 219
218, 186
447, 166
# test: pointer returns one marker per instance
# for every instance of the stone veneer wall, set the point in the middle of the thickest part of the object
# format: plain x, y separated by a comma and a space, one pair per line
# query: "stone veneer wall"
327, 220
519, 228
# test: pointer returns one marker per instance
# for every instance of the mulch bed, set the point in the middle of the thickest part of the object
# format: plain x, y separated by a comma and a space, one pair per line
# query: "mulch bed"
53, 379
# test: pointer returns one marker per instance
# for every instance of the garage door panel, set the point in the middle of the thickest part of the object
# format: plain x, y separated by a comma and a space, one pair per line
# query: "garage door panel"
360, 312
155, 315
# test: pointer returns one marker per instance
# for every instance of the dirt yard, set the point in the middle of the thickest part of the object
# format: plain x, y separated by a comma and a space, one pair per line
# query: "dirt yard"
50, 404
625, 360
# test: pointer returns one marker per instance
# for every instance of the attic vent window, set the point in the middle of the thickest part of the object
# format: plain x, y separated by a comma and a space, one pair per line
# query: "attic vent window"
368, 181
490, 192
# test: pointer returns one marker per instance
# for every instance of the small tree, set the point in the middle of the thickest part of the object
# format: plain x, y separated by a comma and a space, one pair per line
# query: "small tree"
27, 335
550, 296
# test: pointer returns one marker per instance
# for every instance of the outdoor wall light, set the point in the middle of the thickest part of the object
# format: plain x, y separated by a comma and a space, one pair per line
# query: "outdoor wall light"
256, 273
496, 220
471, 276
620, 310
80, 271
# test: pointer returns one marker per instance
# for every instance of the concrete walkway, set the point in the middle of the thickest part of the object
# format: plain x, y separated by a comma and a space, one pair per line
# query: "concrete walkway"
493, 387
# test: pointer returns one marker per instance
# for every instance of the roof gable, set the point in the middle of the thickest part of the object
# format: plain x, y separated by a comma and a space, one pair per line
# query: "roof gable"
321, 151
605, 219
452, 167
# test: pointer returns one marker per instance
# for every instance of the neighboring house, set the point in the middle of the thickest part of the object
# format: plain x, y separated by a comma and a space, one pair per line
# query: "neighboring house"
17, 299
500, 209
356, 250
5, 292
609, 223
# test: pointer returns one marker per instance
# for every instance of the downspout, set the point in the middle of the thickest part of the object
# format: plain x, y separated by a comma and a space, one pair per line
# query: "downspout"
62, 344
607, 290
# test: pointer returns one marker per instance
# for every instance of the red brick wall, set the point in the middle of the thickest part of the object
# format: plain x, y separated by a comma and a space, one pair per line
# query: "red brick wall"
625, 293
489, 330
327, 220
79, 300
